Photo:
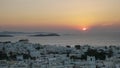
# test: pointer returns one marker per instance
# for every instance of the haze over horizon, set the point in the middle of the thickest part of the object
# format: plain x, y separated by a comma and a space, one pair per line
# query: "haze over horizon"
60, 15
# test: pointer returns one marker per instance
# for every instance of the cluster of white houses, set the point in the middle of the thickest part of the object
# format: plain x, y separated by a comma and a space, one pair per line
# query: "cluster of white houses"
23, 54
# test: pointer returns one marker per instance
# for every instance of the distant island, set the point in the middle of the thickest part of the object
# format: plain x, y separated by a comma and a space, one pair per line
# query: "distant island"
6, 35
43, 35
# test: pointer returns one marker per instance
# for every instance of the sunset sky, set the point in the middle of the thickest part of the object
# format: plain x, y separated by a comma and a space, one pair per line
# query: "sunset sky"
59, 15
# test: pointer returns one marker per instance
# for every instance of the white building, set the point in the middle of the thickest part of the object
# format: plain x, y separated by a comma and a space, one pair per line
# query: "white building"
3, 64
19, 64
91, 61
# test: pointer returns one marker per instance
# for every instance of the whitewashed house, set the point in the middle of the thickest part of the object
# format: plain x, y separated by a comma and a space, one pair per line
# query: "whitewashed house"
19, 64
3, 64
91, 61
35, 53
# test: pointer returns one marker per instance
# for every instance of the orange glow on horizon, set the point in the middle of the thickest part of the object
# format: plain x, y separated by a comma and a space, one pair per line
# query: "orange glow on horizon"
67, 14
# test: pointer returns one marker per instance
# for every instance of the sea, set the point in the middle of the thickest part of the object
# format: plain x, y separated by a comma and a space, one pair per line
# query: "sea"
67, 39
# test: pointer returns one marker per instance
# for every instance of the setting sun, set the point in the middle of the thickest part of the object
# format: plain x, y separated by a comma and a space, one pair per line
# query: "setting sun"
84, 29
